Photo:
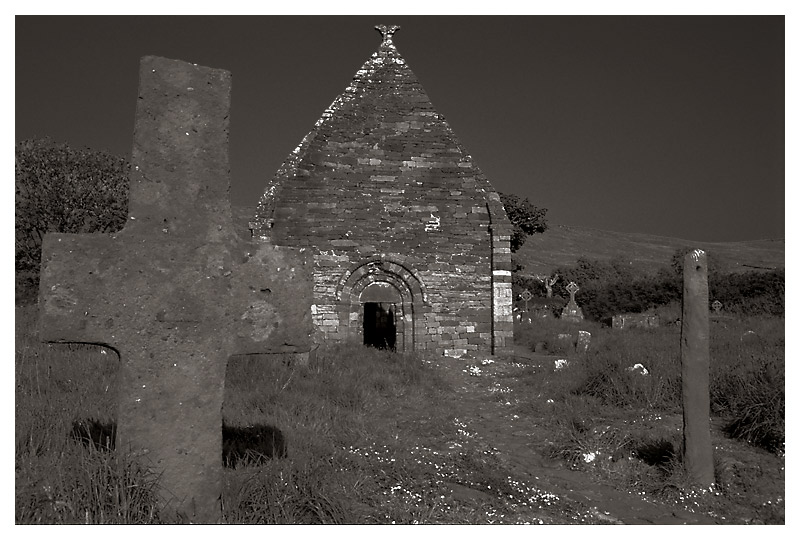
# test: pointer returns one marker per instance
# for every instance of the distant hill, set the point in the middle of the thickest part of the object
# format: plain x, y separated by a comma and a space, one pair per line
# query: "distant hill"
562, 245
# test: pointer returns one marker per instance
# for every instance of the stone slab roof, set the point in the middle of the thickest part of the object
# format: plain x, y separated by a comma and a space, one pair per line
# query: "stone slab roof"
383, 120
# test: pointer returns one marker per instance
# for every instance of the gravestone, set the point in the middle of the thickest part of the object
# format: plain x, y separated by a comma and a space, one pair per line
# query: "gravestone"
177, 291
526, 297
584, 339
695, 356
635, 320
572, 312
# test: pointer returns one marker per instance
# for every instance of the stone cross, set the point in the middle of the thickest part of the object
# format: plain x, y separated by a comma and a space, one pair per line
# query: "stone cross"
176, 292
526, 296
387, 32
697, 448
716, 305
572, 288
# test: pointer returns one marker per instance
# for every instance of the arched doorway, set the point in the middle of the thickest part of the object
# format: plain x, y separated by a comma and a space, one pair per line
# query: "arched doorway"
380, 303
383, 300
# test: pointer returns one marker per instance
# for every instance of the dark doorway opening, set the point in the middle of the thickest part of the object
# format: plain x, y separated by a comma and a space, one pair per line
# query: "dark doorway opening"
380, 330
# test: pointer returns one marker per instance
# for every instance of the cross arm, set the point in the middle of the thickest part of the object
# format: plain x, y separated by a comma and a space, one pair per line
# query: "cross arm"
77, 272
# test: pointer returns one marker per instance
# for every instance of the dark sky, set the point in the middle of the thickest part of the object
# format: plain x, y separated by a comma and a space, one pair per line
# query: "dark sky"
667, 125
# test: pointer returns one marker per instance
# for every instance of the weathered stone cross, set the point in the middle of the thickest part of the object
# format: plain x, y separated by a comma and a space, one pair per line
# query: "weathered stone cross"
572, 288
526, 296
387, 32
176, 292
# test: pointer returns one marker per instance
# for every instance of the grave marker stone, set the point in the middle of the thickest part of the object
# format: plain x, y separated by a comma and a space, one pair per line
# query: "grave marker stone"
635, 320
584, 339
526, 297
176, 292
572, 312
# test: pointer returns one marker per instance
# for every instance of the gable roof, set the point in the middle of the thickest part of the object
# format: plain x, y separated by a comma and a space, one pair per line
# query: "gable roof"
383, 118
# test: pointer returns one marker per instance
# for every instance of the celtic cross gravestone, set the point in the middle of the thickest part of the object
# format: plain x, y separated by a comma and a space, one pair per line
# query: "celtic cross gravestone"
176, 292
572, 288
526, 297
572, 312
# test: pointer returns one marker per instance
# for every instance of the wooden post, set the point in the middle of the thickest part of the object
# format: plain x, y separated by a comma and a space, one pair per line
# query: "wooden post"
698, 454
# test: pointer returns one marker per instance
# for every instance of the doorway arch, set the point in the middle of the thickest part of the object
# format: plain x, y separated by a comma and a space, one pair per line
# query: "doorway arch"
382, 315
384, 300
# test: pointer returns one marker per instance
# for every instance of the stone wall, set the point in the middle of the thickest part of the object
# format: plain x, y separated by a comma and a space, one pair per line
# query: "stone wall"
635, 320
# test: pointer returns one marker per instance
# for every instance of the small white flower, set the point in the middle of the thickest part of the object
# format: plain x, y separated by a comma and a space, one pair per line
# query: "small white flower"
475, 371
561, 363
588, 458
640, 368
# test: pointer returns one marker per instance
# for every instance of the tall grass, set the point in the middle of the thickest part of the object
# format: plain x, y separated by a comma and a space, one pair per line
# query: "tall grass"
639, 369
58, 478
605, 415
359, 429
371, 437
360, 435
335, 403
748, 383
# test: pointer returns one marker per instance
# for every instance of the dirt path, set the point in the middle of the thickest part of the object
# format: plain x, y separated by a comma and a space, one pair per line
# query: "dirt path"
517, 442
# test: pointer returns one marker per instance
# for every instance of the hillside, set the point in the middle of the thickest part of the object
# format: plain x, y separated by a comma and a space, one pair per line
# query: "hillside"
562, 245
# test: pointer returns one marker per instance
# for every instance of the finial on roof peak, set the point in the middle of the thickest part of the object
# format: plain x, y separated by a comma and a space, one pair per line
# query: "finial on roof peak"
387, 32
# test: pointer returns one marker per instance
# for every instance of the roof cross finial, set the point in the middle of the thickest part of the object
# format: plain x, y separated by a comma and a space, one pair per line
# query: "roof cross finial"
387, 32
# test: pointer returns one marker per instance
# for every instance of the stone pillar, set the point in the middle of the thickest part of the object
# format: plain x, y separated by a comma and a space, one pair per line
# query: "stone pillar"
697, 450
502, 295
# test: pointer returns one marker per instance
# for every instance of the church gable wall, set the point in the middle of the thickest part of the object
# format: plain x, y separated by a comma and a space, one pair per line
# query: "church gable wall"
381, 190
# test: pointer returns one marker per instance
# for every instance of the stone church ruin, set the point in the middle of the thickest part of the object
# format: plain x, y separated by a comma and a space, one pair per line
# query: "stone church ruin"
410, 241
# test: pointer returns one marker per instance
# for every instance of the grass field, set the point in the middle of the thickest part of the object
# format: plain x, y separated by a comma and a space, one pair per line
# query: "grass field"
362, 436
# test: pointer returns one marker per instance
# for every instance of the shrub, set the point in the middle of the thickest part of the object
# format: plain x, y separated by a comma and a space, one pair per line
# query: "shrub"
750, 293
60, 189
608, 288
525, 218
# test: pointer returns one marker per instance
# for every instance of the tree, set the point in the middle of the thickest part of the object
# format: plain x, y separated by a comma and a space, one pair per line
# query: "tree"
525, 218
60, 189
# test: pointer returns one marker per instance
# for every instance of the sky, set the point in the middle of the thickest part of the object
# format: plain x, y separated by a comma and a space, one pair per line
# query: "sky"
664, 125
